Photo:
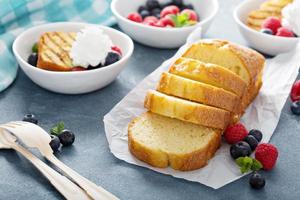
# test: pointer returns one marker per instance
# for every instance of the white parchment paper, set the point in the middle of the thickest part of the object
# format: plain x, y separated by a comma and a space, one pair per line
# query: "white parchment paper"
263, 114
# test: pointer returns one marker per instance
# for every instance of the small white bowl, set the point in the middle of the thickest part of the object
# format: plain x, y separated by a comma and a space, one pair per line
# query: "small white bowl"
267, 44
70, 82
162, 37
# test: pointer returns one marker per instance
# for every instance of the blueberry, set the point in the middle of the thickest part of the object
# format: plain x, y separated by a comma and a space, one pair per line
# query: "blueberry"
66, 137
30, 118
251, 140
188, 6
156, 12
240, 149
32, 59
145, 13
267, 31
295, 107
111, 58
178, 3
257, 181
141, 8
151, 4
257, 134
55, 143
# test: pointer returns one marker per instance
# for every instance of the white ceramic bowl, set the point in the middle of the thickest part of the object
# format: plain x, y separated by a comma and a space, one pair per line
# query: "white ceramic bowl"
268, 44
70, 82
162, 37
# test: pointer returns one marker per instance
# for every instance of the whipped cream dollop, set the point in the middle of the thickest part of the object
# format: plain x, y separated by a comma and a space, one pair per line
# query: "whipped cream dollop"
90, 47
291, 16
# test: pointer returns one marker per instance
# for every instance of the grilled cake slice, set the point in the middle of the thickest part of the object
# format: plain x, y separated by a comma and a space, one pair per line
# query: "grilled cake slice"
196, 91
267, 9
161, 141
243, 61
54, 49
189, 111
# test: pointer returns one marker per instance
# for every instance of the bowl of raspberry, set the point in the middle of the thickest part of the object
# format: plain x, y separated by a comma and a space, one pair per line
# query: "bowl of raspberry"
163, 23
267, 34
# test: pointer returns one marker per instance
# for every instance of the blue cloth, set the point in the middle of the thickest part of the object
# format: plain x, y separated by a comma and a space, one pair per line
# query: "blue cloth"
18, 15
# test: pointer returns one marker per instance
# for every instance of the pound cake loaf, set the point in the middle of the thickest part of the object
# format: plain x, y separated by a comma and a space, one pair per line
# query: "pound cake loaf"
173, 107
203, 92
54, 48
198, 92
161, 142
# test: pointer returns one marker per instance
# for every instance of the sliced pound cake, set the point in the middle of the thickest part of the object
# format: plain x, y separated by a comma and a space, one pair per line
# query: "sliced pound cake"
210, 74
243, 61
196, 91
161, 142
189, 111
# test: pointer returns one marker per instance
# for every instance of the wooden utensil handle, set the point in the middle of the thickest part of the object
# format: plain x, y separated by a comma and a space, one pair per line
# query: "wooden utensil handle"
96, 192
66, 187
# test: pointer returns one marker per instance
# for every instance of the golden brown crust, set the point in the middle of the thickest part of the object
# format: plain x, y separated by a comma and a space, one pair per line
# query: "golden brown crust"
182, 162
247, 100
168, 106
252, 60
198, 92
54, 50
210, 74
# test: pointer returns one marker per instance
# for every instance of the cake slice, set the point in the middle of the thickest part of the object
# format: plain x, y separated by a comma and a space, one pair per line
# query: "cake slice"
210, 74
161, 142
196, 91
173, 107
54, 48
243, 61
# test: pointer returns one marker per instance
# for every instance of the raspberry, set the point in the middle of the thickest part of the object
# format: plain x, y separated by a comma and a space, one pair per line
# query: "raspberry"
159, 24
272, 23
267, 154
167, 21
136, 17
285, 32
169, 10
295, 92
116, 49
150, 19
235, 133
192, 14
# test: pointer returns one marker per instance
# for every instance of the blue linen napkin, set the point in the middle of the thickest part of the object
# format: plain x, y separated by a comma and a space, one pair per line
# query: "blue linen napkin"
18, 15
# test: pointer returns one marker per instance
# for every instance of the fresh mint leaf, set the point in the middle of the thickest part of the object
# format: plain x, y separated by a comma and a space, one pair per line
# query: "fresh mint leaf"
34, 48
58, 128
239, 161
247, 163
245, 169
256, 165
180, 20
175, 20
